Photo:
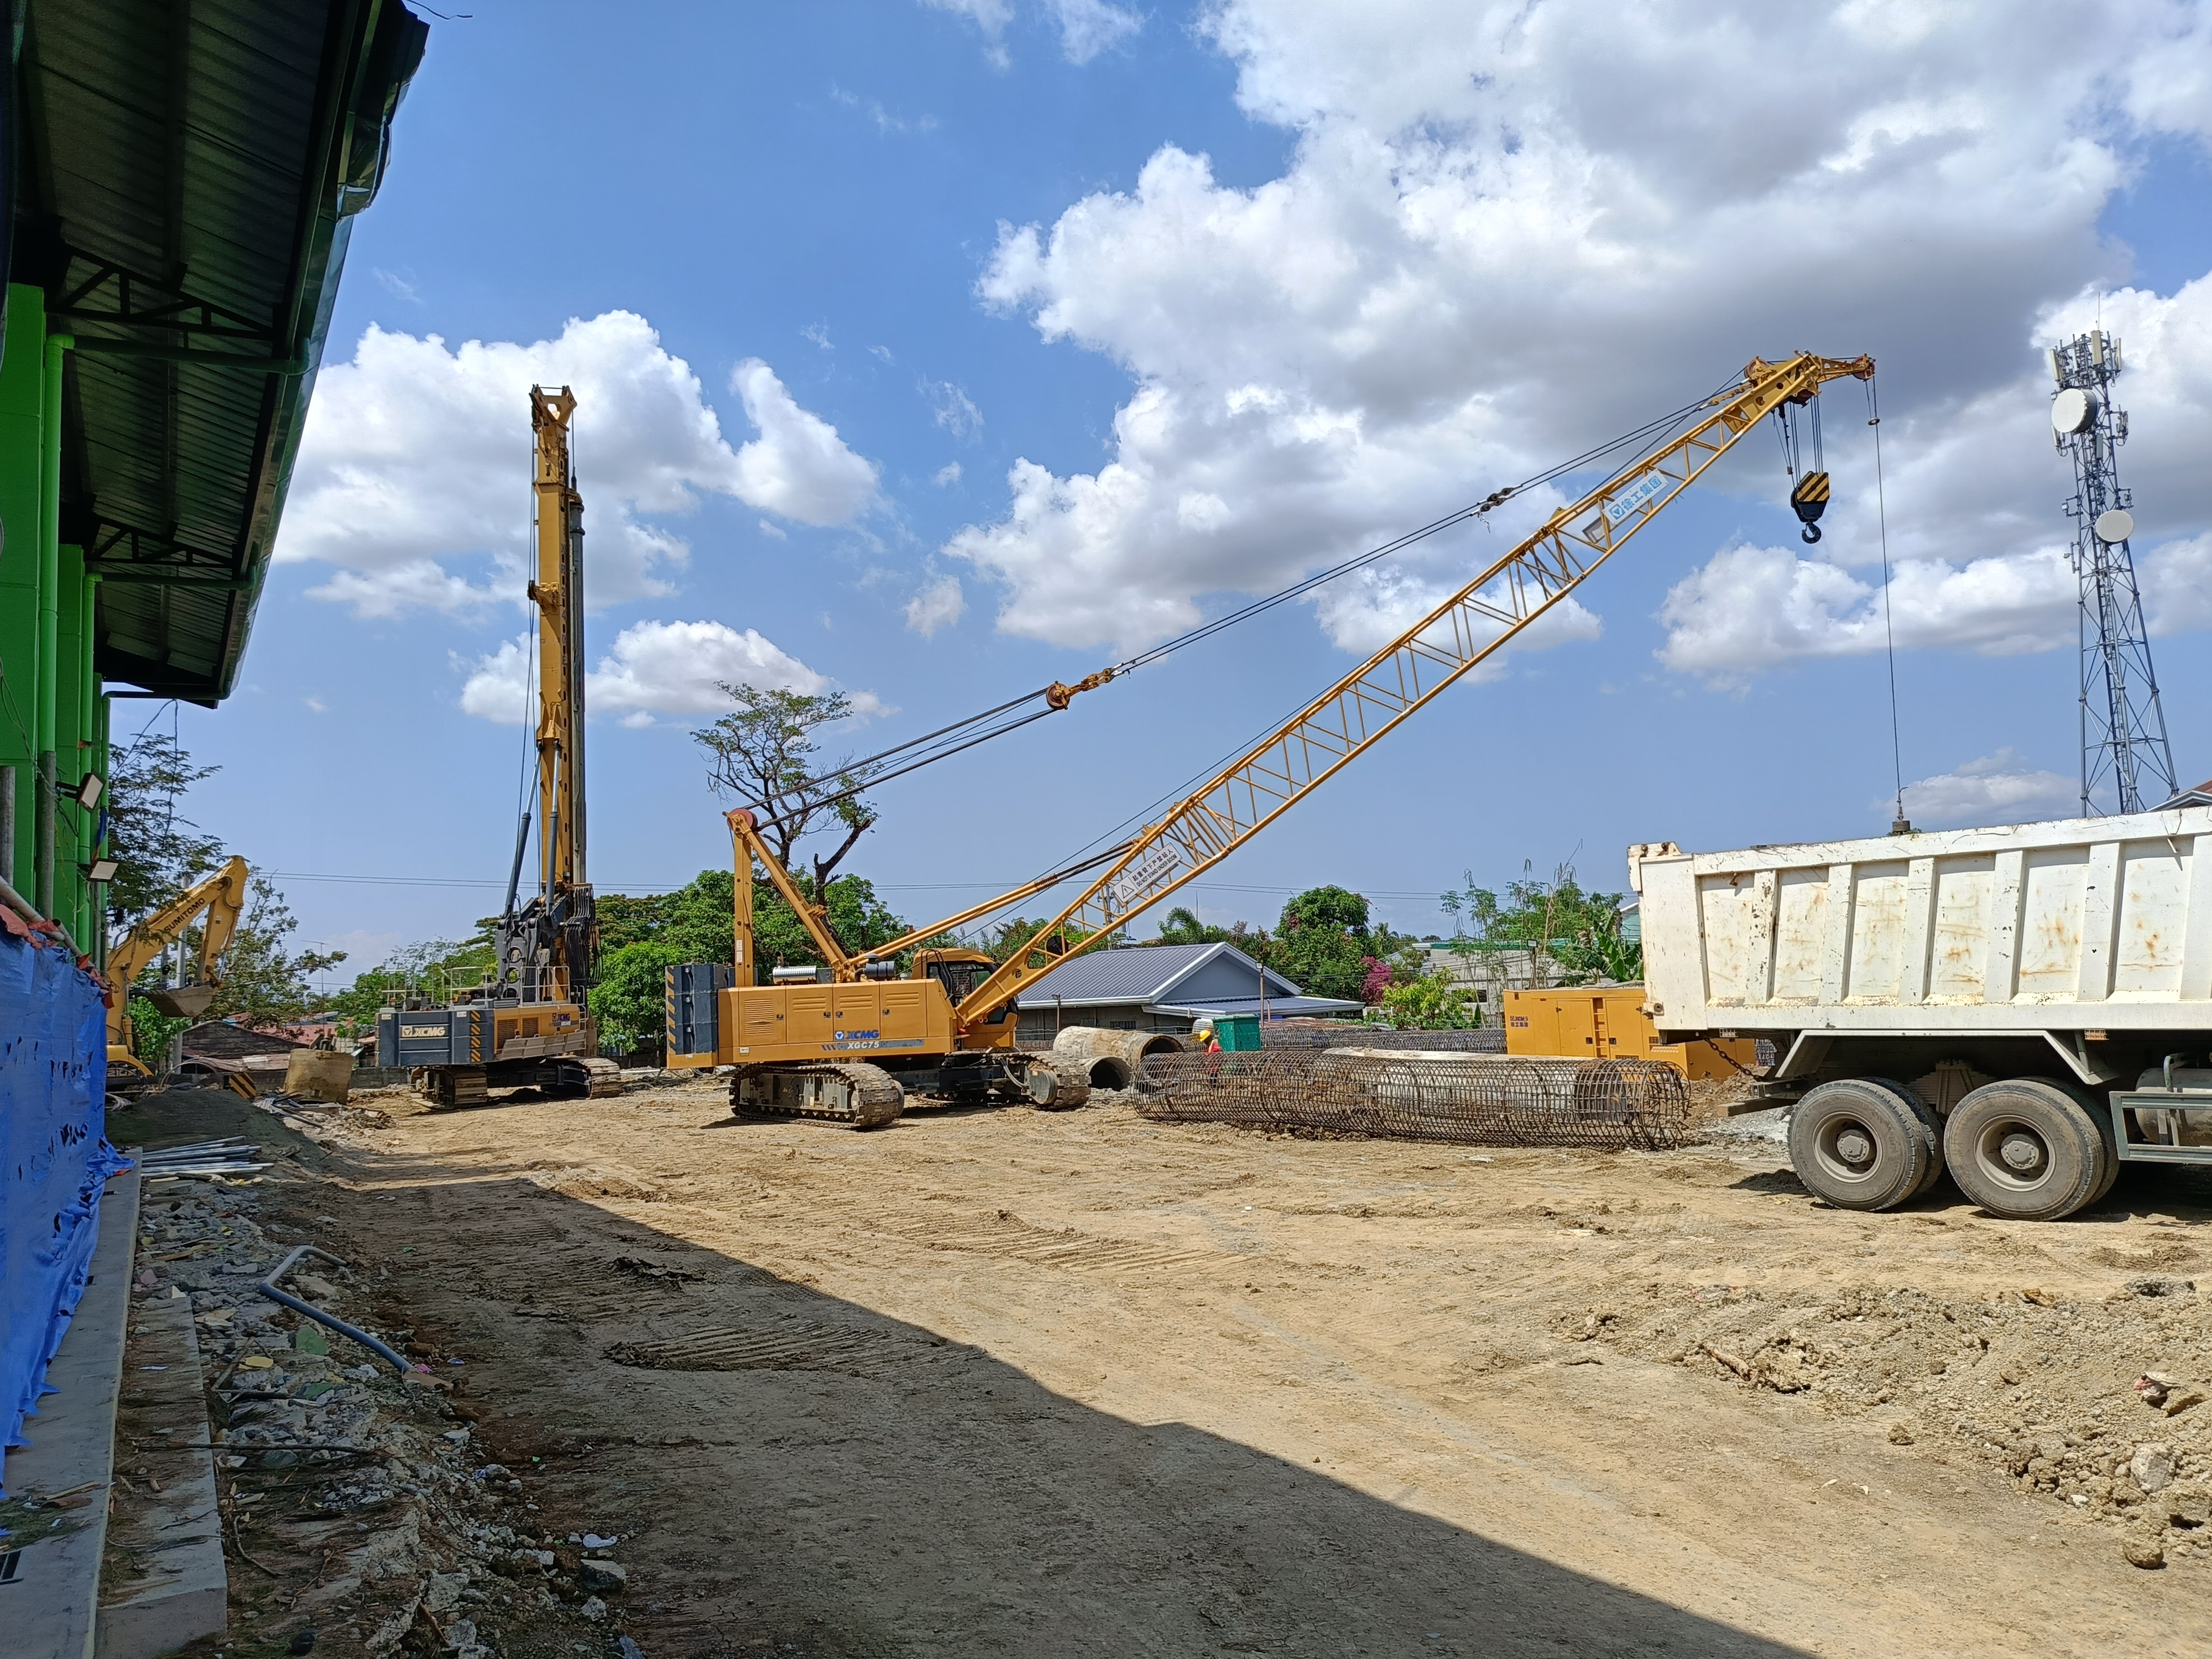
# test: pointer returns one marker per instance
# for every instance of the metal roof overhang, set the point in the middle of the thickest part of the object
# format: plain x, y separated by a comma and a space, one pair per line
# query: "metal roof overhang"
188, 174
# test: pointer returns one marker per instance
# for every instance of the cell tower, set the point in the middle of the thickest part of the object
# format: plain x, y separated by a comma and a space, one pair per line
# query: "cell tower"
2124, 741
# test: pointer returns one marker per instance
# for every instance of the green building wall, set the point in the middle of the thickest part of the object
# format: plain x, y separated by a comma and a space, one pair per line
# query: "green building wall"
80, 703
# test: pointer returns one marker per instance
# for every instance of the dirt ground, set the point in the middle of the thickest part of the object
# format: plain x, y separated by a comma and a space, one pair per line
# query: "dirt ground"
1006, 1382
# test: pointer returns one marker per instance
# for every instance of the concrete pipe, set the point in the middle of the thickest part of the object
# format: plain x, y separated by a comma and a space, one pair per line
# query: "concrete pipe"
1111, 1059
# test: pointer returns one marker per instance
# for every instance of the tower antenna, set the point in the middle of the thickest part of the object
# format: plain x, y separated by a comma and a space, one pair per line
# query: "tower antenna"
2126, 757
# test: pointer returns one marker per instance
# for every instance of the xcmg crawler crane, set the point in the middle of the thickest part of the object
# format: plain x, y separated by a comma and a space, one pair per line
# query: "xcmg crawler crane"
848, 1049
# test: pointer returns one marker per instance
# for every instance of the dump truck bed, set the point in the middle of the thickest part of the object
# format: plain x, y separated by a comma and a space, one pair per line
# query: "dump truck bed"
2074, 925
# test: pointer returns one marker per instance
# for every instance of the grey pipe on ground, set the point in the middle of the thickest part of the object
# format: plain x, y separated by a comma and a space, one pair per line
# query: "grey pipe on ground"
268, 1288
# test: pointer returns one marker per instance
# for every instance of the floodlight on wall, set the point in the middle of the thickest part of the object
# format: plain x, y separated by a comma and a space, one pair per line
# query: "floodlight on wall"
87, 792
101, 870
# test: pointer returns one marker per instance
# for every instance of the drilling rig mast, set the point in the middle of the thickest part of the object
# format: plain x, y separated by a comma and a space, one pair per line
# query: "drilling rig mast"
526, 1022
549, 947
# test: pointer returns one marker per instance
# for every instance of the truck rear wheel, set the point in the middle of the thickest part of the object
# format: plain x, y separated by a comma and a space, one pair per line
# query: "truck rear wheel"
2025, 1150
1860, 1145
1931, 1127
2100, 1118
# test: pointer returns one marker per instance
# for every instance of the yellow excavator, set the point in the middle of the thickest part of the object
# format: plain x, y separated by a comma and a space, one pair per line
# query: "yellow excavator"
526, 1022
845, 1041
217, 903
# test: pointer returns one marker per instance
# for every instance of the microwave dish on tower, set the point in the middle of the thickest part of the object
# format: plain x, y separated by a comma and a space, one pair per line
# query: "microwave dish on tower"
2125, 757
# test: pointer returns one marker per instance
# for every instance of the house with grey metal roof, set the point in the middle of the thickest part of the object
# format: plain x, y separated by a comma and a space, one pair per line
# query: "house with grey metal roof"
1160, 987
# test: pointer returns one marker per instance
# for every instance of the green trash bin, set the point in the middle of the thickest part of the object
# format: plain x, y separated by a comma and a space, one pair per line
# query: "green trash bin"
1239, 1033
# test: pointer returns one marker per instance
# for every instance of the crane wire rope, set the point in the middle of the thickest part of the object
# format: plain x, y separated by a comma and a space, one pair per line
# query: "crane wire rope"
1654, 440
1888, 627
950, 740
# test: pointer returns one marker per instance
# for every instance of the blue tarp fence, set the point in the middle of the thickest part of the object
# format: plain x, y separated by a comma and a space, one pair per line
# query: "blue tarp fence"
53, 1093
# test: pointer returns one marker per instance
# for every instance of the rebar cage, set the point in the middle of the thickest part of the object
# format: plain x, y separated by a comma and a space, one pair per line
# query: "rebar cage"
1344, 1034
1481, 1100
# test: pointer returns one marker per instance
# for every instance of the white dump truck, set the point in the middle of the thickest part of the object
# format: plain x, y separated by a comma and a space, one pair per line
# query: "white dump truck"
2029, 1008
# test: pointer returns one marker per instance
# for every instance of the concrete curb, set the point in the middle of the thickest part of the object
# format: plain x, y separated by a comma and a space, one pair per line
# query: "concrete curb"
172, 1531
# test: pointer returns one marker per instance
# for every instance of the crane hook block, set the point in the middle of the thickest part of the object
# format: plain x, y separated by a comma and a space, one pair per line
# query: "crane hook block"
1810, 497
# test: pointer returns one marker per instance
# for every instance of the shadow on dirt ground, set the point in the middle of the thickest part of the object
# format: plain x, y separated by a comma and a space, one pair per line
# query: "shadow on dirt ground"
790, 1473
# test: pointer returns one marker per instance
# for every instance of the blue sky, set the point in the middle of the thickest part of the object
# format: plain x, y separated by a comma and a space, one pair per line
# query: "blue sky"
1422, 256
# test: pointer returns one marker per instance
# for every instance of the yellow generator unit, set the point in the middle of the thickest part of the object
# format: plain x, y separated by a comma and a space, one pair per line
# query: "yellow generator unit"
1608, 1023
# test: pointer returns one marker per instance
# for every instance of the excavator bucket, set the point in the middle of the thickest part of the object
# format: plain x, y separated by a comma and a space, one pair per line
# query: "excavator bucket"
182, 1001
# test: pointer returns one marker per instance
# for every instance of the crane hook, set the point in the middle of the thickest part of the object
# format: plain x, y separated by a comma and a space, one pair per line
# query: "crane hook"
1810, 496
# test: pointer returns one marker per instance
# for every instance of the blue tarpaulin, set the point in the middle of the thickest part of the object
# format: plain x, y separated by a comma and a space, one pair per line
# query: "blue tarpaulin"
53, 1092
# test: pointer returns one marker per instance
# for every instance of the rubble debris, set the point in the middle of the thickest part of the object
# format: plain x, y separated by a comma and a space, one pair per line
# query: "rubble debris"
351, 1491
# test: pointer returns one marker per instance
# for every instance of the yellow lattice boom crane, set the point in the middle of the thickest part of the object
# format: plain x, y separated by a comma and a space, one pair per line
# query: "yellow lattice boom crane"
526, 1022
847, 1041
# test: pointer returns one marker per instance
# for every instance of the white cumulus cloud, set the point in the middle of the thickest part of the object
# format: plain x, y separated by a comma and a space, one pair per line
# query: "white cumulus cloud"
937, 606
1508, 232
414, 477
1995, 789
652, 668
798, 466
1751, 608
2177, 583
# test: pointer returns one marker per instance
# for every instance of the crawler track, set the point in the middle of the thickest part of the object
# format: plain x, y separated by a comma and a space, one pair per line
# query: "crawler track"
852, 1093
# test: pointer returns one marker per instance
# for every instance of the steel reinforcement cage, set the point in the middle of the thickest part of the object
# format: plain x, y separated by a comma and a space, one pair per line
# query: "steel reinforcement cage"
1481, 1100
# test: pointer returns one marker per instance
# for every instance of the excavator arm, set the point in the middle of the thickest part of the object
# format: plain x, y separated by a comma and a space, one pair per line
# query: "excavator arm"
1473, 624
222, 897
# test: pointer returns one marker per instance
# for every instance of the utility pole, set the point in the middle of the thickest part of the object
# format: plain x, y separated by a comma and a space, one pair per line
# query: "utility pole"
2123, 742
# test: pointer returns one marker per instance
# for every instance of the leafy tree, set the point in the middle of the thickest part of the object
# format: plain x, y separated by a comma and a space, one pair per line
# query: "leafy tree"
1378, 980
261, 982
765, 753
630, 998
859, 920
1020, 936
158, 852
1572, 936
1324, 942
624, 919
1182, 926
695, 922
1430, 1003
151, 1033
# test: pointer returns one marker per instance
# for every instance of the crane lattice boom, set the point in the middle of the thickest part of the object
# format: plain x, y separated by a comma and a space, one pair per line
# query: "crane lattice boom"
1480, 619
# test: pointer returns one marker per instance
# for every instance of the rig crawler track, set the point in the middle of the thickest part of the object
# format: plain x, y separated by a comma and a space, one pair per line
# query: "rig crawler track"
852, 1093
